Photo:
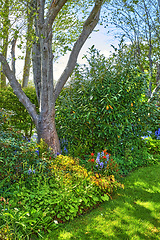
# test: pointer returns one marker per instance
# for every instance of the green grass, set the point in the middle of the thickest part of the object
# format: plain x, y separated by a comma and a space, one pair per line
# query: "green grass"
133, 213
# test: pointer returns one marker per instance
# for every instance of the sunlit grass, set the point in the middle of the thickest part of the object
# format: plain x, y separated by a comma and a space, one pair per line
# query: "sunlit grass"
134, 213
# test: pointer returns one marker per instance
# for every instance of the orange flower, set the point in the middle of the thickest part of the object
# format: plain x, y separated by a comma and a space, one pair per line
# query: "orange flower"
92, 160
107, 107
131, 104
92, 154
110, 107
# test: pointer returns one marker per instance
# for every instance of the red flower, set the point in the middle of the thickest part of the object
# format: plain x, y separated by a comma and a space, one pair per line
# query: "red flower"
111, 160
92, 160
50, 158
104, 157
92, 154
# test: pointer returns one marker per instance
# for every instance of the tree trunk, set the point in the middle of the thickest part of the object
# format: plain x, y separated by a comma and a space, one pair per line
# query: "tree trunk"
3, 77
5, 31
27, 63
47, 131
43, 68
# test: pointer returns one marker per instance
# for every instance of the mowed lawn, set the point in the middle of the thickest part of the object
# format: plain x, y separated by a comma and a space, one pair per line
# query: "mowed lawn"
133, 213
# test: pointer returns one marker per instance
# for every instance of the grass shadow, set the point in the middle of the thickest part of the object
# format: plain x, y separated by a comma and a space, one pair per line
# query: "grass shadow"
134, 213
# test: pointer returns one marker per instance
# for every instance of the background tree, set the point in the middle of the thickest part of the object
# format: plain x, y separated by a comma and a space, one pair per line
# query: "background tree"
29, 34
138, 22
4, 25
47, 93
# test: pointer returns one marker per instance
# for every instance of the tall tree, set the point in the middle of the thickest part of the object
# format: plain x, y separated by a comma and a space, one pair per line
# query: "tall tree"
27, 63
139, 22
47, 93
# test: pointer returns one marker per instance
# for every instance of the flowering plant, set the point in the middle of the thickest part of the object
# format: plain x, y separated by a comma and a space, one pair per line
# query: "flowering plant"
104, 164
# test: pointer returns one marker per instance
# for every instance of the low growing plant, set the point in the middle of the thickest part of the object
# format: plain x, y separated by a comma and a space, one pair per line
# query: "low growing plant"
47, 192
103, 164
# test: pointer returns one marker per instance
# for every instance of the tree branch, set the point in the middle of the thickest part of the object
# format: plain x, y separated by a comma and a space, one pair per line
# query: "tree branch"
154, 92
18, 90
55, 7
13, 43
88, 27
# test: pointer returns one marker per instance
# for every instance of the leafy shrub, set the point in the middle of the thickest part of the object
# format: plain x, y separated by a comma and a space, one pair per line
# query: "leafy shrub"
153, 145
4, 118
39, 191
16, 155
20, 118
36, 203
134, 157
104, 107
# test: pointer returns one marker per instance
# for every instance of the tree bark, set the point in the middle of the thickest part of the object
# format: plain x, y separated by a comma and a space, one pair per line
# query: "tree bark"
27, 63
4, 47
13, 56
5, 31
47, 131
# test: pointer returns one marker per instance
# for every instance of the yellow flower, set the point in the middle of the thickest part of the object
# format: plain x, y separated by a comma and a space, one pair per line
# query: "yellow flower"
107, 107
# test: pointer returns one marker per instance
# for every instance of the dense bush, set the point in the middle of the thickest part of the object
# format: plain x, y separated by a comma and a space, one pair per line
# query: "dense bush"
153, 145
39, 191
20, 118
4, 118
105, 107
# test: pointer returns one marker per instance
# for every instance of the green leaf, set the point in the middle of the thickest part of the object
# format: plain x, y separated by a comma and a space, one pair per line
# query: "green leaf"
105, 197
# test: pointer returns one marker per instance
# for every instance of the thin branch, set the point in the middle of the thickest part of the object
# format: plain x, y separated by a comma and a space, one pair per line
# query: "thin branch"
55, 7
154, 92
13, 55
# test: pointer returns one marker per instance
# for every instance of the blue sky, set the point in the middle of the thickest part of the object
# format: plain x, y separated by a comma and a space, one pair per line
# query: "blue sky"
101, 40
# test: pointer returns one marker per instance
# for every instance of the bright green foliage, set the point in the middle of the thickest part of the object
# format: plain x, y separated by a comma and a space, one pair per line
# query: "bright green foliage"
38, 191
153, 146
105, 107
4, 118
19, 119
135, 157
133, 214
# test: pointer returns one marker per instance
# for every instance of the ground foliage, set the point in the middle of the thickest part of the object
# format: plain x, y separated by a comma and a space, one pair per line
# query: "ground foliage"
38, 190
